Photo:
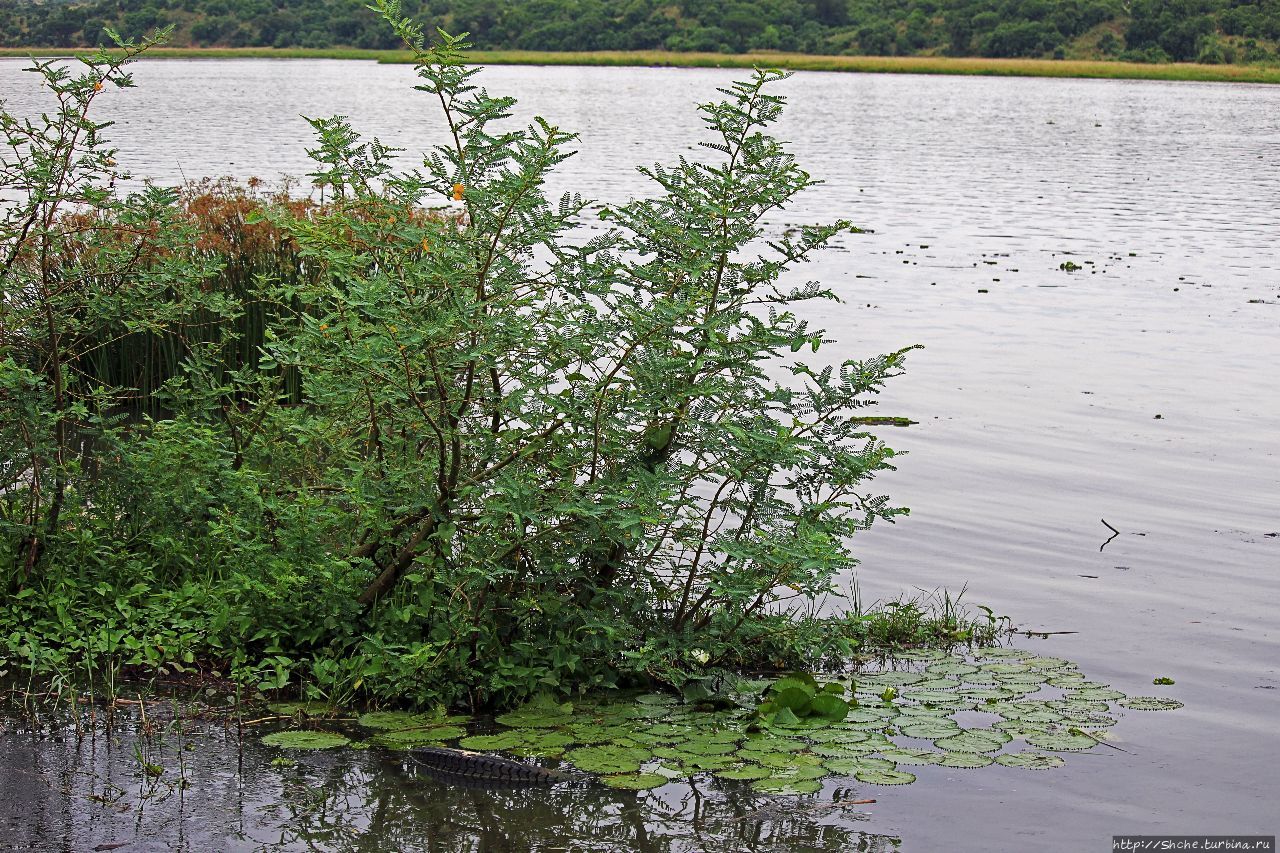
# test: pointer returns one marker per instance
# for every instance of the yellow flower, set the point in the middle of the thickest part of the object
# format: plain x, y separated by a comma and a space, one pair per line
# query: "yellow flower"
457, 192
426, 247
97, 87
393, 329
324, 326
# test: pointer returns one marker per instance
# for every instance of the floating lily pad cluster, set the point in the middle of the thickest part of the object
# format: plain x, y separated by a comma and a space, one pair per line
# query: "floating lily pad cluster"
792, 733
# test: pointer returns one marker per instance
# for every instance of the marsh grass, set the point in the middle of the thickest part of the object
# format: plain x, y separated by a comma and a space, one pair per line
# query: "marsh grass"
970, 66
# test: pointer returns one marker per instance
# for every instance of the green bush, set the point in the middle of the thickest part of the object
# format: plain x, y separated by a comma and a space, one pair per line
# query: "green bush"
460, 453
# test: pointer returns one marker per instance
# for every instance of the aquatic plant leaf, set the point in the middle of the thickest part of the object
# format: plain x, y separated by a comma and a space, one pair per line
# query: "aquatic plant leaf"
745, 773
1101, 694
912, 756
829, 707
850, 738
1031, 676
825, 735
908, 712
951, 668
850, 766
984, 693
921, 654
807, 771
792, 699
1001, 652
934, 697
980, 677
706, 747
540, 739
310, 709
656, 699
1046, 663
392, 720
974, 740
408, 738
489, 743
864, 715
930, 729
1074, 707
852, 750
965, 760
1150, 703
635, 781
305, 739
885, 777
1004, 668
1062, 741
1020, 728
768, 743
774, 785
532, 719
786, 718
941, 683
606, 759
1030, 760
889, 679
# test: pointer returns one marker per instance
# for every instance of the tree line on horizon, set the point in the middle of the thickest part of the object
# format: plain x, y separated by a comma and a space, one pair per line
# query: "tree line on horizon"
1213, 31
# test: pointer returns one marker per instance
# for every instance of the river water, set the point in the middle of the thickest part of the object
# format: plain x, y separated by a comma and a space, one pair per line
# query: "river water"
1143, 389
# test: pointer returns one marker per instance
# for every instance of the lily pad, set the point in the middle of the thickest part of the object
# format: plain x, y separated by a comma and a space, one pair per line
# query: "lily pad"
409, 738
851, 750
930, 729
1150, 703
1030, 760
885, 777
912, 756
606, 759
746, 773
1101, 694
487, 743
850, 766
951, 668
306, 739
965, 760
775, 785
635, 781
1062, 741
393, 720
1000, 652
974, 740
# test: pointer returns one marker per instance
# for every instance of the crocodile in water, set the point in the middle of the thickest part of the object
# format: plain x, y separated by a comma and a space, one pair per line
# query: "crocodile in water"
478, 767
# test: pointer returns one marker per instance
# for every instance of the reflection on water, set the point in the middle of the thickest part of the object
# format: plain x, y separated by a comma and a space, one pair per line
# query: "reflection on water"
63, 792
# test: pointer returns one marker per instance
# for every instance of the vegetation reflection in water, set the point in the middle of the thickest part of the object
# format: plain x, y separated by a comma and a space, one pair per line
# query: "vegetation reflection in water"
966, 711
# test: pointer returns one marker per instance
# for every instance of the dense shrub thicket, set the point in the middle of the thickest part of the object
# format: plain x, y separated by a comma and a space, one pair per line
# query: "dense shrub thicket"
373, 445
1145, 30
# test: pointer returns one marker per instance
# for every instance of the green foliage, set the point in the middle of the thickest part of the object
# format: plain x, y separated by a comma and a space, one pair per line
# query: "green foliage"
305, 739
800, 695
414, 452
1146, 31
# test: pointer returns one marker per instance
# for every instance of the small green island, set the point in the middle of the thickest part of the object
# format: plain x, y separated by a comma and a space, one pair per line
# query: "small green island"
406, 466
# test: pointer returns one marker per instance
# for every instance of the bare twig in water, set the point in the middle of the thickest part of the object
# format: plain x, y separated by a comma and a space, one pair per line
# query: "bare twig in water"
1114, 534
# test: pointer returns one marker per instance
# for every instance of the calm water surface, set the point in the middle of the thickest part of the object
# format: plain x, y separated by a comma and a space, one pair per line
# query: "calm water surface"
1143, 389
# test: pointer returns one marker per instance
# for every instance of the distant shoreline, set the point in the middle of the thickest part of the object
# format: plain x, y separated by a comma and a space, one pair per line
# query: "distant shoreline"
975, 66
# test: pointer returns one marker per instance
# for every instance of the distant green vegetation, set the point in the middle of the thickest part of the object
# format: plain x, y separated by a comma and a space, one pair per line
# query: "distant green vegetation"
1205, 31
